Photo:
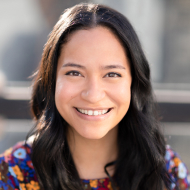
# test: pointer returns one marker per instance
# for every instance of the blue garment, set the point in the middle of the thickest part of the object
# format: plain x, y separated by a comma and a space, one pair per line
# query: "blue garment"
17, 171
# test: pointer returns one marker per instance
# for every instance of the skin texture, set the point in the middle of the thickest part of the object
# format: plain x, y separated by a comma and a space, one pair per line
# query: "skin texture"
94, 87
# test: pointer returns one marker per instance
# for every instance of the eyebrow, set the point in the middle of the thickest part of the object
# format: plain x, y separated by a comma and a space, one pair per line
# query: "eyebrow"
73, 65
113, 67
83, 67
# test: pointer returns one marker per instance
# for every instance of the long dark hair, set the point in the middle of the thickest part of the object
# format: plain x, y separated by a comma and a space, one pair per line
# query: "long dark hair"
140, 163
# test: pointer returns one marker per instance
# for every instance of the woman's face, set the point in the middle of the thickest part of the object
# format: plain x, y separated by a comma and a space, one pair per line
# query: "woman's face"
93, 84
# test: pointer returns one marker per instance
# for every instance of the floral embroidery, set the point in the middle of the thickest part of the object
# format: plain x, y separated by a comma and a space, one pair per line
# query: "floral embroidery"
167, 156
182, 170
4, 171
12, 172
22, 186
94, 183
29, 163
20, 153
17, 171
177, 170
177, 161
97, 184
33, 186
7, 154
109, 186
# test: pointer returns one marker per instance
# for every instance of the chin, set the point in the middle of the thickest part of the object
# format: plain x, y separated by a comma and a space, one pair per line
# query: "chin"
93, 134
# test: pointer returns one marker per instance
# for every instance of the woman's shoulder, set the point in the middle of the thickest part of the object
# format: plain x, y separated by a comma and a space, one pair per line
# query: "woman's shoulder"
177, 169
19, 152
16, 169
173, 160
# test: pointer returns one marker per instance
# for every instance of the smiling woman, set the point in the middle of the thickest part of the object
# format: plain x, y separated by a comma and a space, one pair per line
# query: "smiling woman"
96, 125
86, 93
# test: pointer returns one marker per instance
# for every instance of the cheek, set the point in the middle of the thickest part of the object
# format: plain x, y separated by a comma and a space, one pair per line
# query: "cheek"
65, 92
63, 98
122, 94
62, 94
60, 91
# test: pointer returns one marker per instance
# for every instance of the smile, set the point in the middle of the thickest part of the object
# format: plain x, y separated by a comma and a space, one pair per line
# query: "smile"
93, 112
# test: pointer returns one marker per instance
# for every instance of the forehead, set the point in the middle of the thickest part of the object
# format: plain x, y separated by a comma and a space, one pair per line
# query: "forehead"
99, 40
93, 33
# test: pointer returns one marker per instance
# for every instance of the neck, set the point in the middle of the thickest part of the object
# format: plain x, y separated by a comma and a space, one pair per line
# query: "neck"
90, 156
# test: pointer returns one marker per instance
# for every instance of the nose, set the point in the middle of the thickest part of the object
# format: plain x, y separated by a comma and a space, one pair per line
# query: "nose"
93, 91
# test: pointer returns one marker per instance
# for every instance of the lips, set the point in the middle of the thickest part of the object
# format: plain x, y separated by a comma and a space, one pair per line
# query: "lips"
93, 112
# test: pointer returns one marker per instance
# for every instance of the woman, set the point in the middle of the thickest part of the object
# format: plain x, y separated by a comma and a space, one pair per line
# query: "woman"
96, 123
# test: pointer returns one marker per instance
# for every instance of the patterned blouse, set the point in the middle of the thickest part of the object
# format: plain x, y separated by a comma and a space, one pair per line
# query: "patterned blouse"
17, 171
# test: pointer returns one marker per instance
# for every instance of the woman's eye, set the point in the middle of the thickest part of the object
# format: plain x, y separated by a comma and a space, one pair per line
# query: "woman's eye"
73, 73
113, 75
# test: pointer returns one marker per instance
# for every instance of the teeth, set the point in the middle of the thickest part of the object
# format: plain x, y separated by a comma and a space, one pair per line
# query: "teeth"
104, 111
91, 112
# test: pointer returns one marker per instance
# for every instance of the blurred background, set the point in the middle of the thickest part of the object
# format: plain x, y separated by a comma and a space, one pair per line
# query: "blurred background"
164, 30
